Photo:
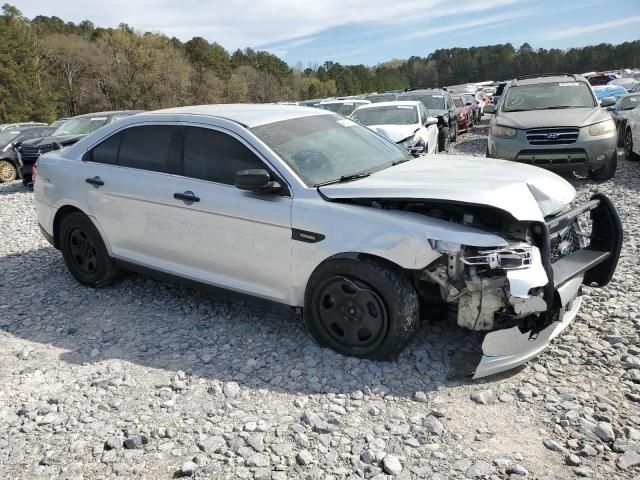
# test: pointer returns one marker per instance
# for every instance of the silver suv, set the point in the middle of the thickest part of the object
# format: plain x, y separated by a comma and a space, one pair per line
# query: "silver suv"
555, 122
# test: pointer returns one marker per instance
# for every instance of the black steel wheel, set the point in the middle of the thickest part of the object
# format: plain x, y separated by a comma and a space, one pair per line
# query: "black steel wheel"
628, 146
351, 313
363, 308
84, 251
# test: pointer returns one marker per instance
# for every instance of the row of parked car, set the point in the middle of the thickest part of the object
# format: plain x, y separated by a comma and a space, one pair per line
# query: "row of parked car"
22, 143
451, 113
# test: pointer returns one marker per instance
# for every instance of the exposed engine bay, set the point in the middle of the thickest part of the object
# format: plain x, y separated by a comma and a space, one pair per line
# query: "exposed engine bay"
498, 287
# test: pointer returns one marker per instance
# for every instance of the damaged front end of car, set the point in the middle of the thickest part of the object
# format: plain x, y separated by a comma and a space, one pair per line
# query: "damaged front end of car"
526, 292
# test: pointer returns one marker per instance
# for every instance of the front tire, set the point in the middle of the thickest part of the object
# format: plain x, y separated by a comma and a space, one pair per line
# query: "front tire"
628, 146
84, 252
8, 172
444, 139
606, 172
454, 134
361, 308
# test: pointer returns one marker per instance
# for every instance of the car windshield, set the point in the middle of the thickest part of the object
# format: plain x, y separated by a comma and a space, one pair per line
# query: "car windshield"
387, 115
326, 148
7, 136
343, 108
431, 101
627, 103
80, 126
548, 96
381, 98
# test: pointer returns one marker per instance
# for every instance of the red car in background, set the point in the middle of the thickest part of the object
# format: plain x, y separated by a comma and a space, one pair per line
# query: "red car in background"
465, 113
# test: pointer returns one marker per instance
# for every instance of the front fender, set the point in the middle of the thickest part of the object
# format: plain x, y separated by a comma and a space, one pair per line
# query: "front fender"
399, 237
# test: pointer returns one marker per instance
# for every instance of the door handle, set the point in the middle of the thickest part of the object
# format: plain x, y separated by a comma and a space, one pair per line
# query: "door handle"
95, 181
187, 196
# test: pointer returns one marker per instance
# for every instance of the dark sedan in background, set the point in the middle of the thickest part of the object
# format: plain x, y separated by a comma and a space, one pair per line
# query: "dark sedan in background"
68, 133
9, 138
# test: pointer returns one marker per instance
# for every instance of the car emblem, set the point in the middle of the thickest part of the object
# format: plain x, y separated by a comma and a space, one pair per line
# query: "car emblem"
552, 136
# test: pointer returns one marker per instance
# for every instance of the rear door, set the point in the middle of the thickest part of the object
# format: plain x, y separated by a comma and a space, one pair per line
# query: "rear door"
128, 182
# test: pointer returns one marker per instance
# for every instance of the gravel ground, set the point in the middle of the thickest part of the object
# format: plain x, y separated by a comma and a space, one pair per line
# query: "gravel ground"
146, 379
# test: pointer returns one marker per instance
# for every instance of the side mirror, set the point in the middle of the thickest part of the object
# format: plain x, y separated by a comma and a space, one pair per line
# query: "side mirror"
255, 180
489, 109
607, 102
431, 121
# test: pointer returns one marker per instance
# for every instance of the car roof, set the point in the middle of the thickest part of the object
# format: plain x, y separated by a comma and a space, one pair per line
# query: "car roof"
548, 79
108, 114
407, 103
434, 91
248, 114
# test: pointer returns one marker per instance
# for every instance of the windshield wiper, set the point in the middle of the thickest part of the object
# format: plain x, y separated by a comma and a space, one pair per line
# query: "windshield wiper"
398, 162
344, 178
560, 107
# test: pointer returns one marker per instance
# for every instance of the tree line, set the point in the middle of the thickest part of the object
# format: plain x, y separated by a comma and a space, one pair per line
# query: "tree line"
51, 68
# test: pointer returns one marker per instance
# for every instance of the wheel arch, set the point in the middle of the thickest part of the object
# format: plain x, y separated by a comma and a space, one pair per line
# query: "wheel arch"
64, 211
349, 255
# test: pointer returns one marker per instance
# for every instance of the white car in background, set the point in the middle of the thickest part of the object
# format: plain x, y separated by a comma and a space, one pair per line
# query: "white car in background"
632, 135
407, 124
343, 106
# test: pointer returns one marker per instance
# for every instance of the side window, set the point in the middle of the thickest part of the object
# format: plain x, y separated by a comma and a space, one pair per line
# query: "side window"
215, 156
107, 151
148, 148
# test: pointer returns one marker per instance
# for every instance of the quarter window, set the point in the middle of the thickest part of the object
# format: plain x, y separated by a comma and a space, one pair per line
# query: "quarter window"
215, 156
107, 151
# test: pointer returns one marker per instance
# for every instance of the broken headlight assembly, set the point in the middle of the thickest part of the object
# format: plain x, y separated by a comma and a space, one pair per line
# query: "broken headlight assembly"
511, 257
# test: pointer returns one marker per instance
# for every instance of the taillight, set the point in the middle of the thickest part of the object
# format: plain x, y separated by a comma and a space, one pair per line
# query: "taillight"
34, 172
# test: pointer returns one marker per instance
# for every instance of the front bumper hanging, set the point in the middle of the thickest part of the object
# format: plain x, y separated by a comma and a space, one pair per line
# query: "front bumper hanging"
593, 265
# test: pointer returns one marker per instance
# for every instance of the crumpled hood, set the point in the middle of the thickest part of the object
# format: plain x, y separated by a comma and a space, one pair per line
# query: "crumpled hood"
395, 133
62, 140
570, 117
528, 193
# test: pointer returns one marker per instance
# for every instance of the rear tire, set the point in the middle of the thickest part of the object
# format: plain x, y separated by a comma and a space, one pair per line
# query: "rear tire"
606, 172
361, 308
443, 140
84, 251
8, 172
454, 134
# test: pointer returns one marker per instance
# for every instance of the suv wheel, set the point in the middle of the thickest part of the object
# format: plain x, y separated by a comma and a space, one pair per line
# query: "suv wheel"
628, 146
8, 172
84, 251
606, 172
454, 133
362, 308
443, 140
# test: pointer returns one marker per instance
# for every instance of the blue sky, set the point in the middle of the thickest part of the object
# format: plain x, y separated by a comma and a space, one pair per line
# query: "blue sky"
362, 31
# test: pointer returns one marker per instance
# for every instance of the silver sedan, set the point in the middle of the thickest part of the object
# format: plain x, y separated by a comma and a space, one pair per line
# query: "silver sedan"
308, 208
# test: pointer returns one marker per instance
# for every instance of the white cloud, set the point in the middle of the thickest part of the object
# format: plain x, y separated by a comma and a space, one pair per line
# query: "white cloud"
489, 21
249, 22
558, 33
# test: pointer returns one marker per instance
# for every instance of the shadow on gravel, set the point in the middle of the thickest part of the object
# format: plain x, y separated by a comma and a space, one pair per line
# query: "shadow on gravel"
162, 326
12, 188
